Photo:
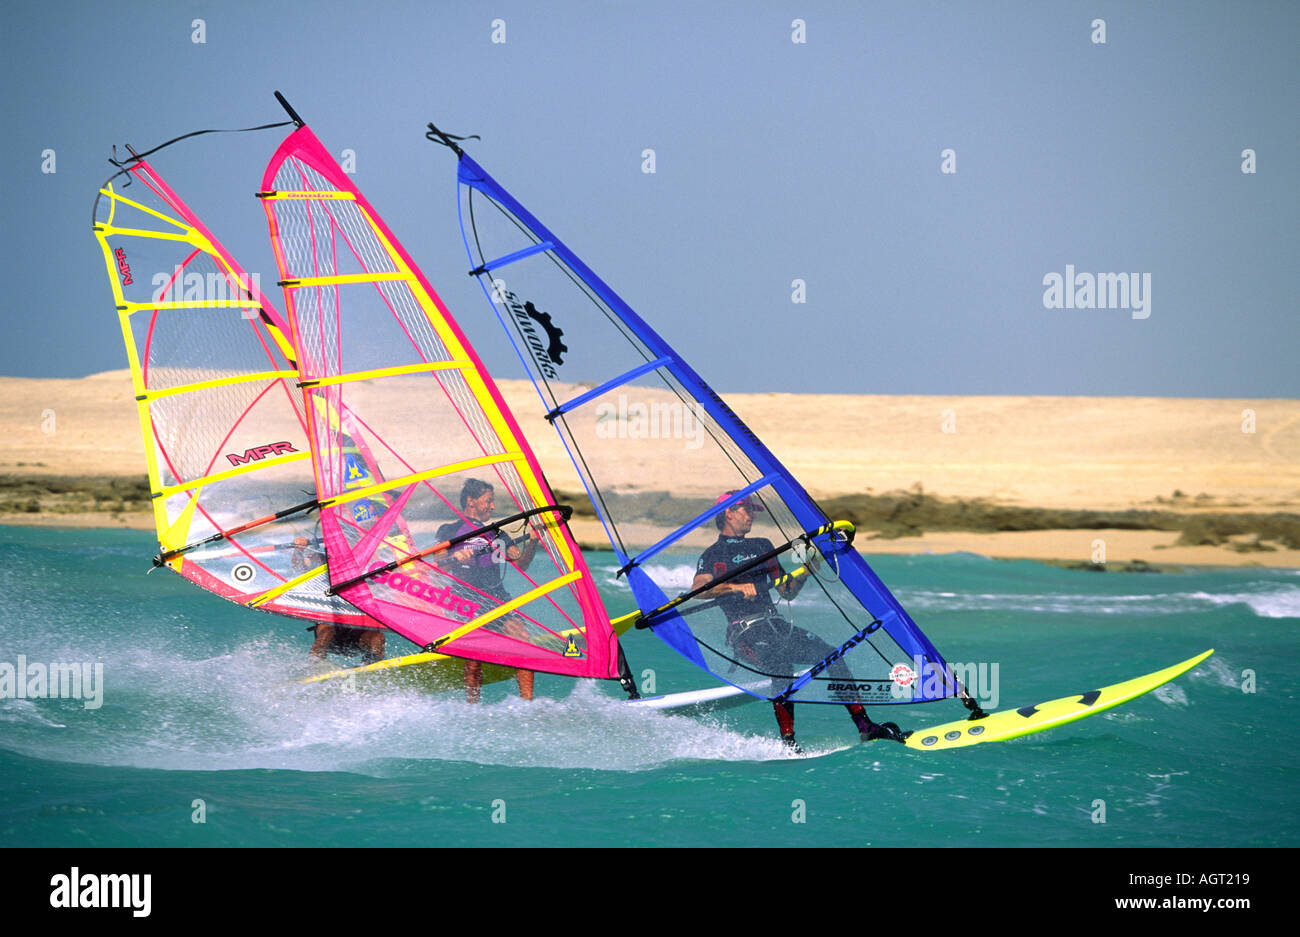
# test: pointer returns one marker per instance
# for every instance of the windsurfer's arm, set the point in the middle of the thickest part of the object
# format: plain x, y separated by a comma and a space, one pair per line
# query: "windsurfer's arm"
522, 557
789, 588
303, 557
787, 584
745, 589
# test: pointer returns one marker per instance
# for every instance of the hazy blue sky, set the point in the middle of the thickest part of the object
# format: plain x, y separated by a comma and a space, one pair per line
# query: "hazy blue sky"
776, 160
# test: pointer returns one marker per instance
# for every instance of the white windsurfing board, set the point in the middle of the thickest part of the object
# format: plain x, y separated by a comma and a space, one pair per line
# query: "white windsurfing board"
711, 699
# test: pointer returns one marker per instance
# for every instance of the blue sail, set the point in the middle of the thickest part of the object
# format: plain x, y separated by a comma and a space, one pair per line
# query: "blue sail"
620, 397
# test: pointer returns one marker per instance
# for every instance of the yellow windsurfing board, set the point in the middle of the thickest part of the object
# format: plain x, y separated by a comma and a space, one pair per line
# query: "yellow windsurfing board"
1013, 723
435, 672
431, 672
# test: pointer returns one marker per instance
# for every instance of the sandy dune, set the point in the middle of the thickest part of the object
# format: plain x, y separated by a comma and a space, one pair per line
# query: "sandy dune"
1050, 452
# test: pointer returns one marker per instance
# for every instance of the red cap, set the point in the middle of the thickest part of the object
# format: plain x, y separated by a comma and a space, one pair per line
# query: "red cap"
748, 501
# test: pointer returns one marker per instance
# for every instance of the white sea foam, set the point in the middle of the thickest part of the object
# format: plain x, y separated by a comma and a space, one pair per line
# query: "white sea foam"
1171, 693
1273, 601
241, 711
1269, 600
1221, 671
676, 576
20, 712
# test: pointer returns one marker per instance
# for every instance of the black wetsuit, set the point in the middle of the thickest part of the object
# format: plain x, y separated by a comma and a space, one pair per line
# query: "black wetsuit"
758, 634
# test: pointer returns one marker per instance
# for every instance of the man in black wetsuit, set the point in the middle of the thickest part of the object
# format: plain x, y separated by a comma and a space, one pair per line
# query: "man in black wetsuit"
755, 631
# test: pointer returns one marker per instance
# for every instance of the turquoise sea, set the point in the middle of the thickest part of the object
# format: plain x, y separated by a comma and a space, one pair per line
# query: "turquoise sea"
199, 722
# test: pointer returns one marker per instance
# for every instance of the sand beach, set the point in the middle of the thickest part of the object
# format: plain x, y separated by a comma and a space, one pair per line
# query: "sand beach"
1161, 481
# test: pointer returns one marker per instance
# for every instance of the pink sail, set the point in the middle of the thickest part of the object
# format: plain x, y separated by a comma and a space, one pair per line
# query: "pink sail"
407, 433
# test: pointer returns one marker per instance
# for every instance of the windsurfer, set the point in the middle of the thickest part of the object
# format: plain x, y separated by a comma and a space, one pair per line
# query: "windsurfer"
342, 639
755, 631
332, 638
480, 562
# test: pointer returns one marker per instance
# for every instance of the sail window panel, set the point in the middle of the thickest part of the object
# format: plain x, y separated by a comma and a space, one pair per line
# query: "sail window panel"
344, 328
669, 439
674, 568
290, 545
407, 425
328, 237
214, 429
190, 346
514, 497
394, 525
429, 511
826, 614
226, 503
266, 557
121, 209
424, 507
441, 600
567, 332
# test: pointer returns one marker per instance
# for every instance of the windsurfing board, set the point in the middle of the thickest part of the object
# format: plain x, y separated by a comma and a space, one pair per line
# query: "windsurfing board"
436, 673
430, 672
1013, 723
707, 700
439, 672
